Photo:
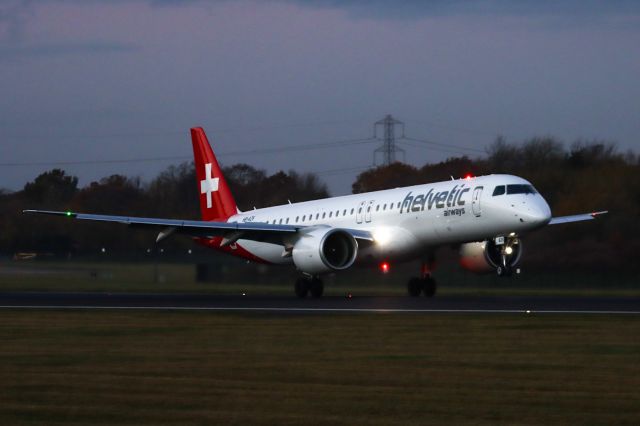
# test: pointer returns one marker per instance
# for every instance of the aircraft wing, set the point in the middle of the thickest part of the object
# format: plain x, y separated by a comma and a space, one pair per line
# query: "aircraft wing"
576, 218
230, 231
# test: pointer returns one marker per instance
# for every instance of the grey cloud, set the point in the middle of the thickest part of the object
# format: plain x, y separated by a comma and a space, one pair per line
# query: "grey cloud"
54, 49
14, 15
408, 9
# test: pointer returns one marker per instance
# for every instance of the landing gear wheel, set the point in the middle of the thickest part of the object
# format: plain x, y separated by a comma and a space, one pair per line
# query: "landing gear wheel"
301, 288
316, 287
504, 271
415, 286
430, 286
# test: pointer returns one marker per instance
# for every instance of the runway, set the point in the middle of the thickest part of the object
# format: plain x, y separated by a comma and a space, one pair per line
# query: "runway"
334, 304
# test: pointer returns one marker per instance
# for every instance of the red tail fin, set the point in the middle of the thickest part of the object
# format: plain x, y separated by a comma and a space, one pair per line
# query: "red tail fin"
216, 201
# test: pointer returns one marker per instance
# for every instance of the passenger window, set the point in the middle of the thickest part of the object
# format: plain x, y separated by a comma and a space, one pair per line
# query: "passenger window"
280, 221
499, 190
344, 212
378, 207
352, 211
324, 215
360, 210
330, 213
337, 213
303, 217
384, 206
297, 219
287, 221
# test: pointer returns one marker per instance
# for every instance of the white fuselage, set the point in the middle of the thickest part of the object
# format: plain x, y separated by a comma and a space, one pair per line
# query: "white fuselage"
407, 222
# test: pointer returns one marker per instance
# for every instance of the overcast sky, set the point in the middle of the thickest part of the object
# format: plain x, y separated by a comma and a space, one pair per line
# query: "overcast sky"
126, 79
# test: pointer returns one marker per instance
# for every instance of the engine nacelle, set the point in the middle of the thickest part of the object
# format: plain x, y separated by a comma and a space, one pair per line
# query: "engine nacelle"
487, 256
324, 250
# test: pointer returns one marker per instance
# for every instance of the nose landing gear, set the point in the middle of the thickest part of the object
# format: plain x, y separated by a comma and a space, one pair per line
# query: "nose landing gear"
506, 253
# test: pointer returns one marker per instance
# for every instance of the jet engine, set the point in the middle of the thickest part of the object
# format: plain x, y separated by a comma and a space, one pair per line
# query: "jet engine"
500, 255
324, 250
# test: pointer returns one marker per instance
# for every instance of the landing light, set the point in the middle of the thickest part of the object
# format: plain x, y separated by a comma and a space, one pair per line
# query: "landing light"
508, 250
382, 235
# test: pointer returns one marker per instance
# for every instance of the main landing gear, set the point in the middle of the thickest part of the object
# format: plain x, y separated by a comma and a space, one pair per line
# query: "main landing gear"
426, 283
309, 285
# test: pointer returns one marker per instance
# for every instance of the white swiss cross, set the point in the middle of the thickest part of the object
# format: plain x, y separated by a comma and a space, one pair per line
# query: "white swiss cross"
209, 184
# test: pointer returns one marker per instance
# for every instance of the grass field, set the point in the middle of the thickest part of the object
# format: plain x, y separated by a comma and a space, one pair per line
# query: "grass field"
177, 368
180, 278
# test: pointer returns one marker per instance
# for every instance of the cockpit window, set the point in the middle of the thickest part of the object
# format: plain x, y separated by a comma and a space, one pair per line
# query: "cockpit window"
499, 190
520, 189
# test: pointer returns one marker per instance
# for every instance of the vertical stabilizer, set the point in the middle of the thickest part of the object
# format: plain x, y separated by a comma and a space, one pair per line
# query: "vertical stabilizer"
216, 201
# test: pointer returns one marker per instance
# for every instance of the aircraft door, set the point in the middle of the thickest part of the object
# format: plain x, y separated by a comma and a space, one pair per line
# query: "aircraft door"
367, 216
360, 211
475, 201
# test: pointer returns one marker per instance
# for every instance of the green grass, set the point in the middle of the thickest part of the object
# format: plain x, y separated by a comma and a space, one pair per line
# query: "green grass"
112, 276
163, 368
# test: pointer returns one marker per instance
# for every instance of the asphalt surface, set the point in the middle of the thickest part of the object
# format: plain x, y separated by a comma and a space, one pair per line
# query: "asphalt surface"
282, 304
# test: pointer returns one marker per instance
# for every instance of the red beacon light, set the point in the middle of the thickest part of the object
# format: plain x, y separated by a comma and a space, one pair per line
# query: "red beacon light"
468, 176
384, 267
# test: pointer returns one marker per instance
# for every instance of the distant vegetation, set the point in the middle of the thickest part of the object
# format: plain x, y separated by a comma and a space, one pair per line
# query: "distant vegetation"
172, 194
581, 178
587, 176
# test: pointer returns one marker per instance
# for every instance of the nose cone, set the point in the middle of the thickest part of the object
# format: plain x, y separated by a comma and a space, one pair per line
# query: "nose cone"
538, 212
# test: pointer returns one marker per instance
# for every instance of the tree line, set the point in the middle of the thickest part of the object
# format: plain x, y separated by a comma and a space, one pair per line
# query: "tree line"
583, 177
173, 193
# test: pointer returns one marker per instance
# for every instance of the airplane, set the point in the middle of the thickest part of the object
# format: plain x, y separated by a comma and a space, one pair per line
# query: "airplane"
485, 216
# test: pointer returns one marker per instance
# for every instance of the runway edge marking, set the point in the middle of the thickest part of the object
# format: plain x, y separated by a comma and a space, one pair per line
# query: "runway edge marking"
319, 310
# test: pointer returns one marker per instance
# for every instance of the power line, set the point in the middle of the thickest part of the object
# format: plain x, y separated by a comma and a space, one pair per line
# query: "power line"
161, 133
458, 147
469, 130
273, 150
299, 147
88, 162
389, 149
342, 171
438, 149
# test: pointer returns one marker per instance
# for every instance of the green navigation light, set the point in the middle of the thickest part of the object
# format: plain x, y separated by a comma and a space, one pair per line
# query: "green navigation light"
69, 214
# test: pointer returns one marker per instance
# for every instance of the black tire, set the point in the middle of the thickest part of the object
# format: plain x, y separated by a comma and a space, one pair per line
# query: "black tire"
301, 288
414, 287
504, 271
316, 288
430, 287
